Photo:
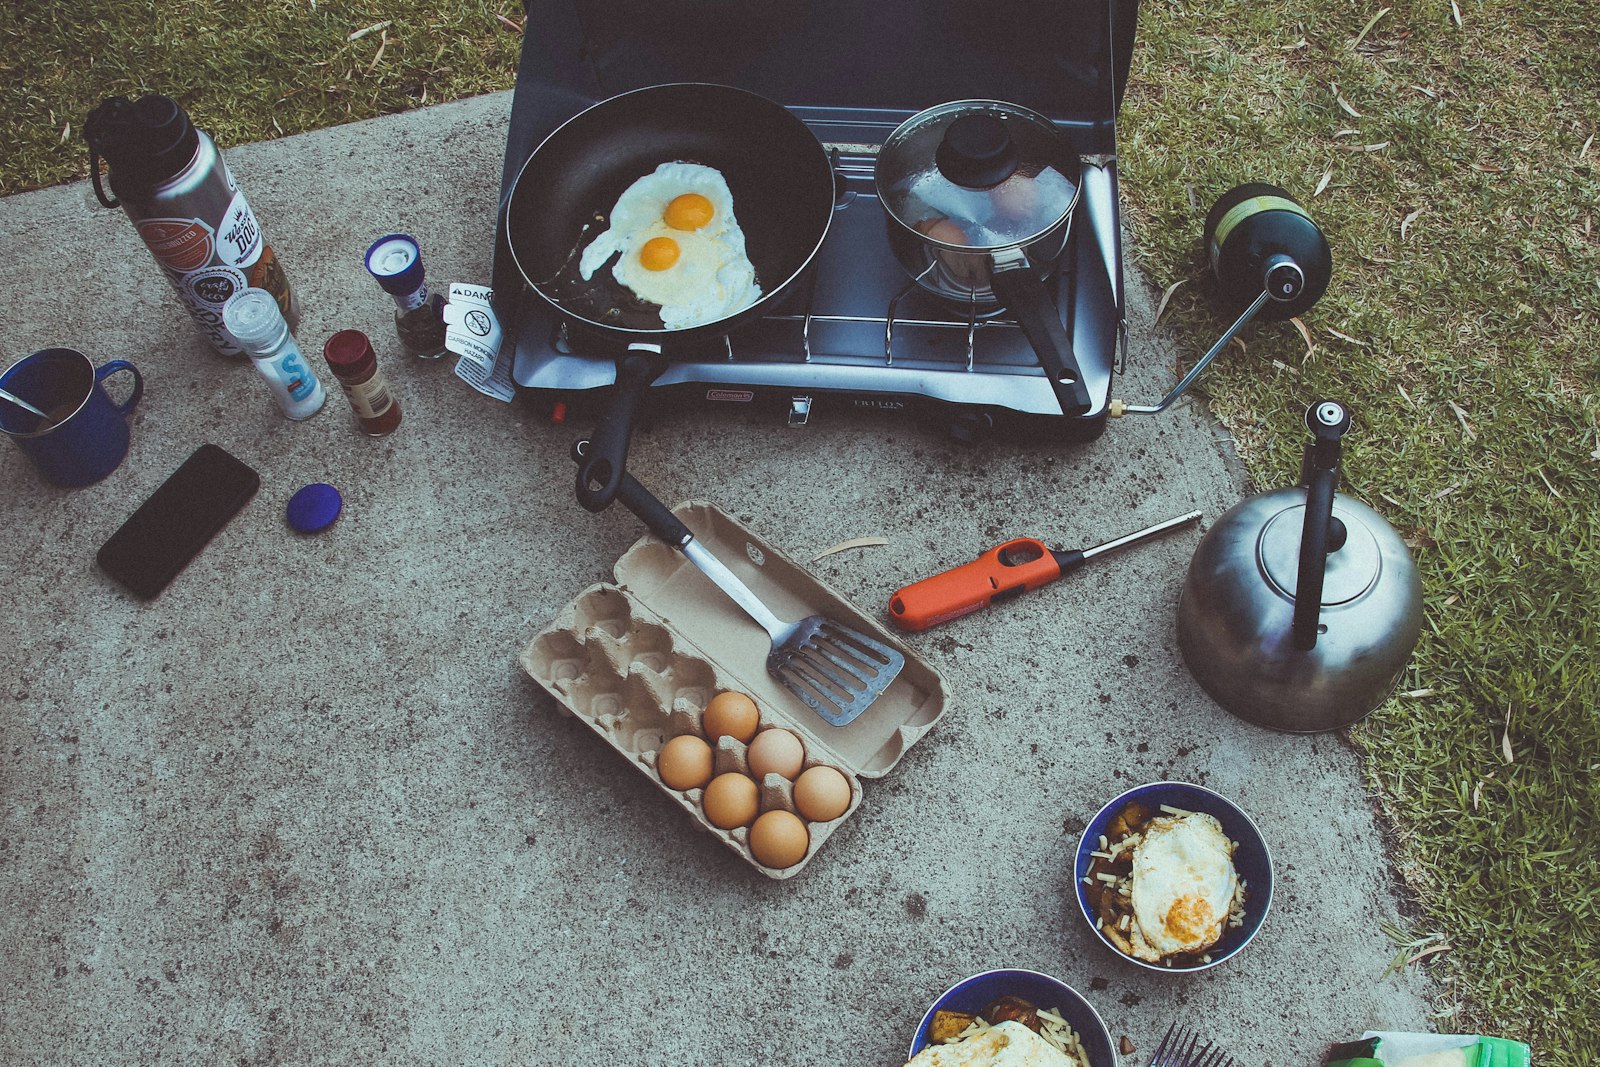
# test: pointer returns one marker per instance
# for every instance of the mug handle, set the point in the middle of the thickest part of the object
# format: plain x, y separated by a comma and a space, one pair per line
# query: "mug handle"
102, 373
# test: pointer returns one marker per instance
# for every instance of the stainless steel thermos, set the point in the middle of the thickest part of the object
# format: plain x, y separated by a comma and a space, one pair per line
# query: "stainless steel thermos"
171, 180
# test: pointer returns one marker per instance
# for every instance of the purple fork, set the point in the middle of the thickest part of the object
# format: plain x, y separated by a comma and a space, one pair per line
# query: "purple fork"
1182, 1047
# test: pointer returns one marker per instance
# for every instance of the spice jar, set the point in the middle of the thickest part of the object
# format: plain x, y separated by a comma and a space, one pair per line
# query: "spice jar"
349, 354
395, 262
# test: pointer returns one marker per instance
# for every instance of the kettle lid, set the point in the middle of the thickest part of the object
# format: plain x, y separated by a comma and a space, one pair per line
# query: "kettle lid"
1351, 570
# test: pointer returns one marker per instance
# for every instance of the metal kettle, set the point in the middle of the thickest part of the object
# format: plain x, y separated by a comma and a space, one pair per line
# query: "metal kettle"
1301, 606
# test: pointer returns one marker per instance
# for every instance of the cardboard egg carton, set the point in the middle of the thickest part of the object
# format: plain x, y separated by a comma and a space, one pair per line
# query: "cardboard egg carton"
639, 660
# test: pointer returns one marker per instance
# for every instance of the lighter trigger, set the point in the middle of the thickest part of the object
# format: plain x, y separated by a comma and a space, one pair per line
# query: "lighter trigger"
1018, 553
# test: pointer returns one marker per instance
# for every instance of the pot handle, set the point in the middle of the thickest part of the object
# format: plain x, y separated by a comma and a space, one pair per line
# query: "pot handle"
1322, 533
1024, 295
600, 472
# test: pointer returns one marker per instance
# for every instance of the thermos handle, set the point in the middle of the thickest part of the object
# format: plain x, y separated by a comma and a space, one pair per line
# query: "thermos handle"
1327, 422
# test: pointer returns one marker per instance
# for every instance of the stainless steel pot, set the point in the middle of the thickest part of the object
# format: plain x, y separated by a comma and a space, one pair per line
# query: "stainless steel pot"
1301, 607
979, 197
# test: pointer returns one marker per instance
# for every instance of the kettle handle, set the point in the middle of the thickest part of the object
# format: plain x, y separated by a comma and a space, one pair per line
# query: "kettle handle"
1327, 422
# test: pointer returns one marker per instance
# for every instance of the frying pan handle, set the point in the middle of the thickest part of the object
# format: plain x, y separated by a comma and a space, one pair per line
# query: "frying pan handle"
600, 472
643, 503
1021, 291
1321, 532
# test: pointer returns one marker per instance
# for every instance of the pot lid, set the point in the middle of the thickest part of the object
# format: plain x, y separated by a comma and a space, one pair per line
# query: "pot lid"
977, 174
1352, 569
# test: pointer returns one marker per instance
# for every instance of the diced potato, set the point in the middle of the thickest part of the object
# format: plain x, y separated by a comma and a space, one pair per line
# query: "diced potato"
948, 1025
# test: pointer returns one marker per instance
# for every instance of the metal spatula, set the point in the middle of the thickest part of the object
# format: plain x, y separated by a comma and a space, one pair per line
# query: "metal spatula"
837, 671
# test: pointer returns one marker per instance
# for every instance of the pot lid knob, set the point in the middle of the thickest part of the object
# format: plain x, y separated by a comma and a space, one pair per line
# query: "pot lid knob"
976, 152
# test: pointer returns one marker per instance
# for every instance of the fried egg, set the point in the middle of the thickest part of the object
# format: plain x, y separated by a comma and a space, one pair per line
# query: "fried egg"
680, 246
1183, 886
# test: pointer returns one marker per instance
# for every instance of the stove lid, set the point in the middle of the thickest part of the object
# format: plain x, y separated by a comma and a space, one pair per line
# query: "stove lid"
1068, 61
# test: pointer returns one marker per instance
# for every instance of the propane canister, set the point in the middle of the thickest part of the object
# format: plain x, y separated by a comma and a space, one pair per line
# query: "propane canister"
1259, 237
172, 182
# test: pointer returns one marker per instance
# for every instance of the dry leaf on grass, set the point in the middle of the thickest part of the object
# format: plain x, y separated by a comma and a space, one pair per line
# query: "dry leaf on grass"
1341, 335
1586, 146
1166, 296
1347, 108
1405, 223
1379, 147
858, 542
1505, 740
1418, 694
1461, 416
510, 24
1553, 490
383, 42
1455, 12
1327, 177
1425, 953
374, 28
1311, 346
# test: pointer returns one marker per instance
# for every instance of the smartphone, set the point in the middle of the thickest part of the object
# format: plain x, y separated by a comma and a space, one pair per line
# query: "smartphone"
149, 550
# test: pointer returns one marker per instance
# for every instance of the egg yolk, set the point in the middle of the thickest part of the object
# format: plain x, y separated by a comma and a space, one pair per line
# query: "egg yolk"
659, 253
688, 212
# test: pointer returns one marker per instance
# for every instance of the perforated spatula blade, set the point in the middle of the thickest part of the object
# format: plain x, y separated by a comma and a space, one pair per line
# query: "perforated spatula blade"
836, 671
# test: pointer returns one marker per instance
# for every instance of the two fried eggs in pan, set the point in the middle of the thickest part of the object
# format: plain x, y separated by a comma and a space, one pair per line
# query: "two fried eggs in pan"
681, 247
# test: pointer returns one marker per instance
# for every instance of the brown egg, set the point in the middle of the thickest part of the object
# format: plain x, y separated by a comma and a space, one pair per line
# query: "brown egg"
821, 794
730, 800
779, 839
776, 752
730, 714
684, 762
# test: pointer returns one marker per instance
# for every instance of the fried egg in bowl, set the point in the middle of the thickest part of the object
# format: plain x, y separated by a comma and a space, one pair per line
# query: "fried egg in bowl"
1173, 876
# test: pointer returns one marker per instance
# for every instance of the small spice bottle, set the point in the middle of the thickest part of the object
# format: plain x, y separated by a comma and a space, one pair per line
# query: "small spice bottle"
395, 261
349, 354
256, 322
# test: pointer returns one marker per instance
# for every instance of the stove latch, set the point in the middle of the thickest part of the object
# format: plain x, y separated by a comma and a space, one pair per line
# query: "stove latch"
799, 410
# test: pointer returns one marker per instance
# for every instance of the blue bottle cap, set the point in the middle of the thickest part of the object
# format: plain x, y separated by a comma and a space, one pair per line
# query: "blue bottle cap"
314, 508
396, 262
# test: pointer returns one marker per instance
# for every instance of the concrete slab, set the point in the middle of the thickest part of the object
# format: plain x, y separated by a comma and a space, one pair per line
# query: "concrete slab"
304, 807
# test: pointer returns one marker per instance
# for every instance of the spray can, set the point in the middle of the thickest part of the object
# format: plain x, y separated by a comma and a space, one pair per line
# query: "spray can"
172, 182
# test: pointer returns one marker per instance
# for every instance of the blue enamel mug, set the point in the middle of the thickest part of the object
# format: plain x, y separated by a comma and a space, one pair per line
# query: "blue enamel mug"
85, 436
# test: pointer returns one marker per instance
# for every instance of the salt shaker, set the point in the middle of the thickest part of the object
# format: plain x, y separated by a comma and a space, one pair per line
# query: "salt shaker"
253, 318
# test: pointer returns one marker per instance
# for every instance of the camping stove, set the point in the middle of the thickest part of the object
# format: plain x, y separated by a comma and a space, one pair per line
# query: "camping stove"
859, 333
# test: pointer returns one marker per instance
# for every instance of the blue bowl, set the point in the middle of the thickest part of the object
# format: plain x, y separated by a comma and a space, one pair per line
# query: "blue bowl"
974, 994
1252, 860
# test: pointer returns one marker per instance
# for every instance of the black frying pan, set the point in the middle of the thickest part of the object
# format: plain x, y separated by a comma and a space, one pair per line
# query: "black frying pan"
782, 186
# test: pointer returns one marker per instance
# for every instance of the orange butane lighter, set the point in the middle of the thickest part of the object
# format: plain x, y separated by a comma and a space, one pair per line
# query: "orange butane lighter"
1001, 573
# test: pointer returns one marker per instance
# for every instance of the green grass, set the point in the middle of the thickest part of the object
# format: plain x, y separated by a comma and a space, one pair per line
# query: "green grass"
1490, 302
1472, 368
253, 71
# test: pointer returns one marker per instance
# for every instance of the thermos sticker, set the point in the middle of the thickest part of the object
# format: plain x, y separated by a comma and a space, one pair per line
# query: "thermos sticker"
239, 234
182, 245
213, 287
